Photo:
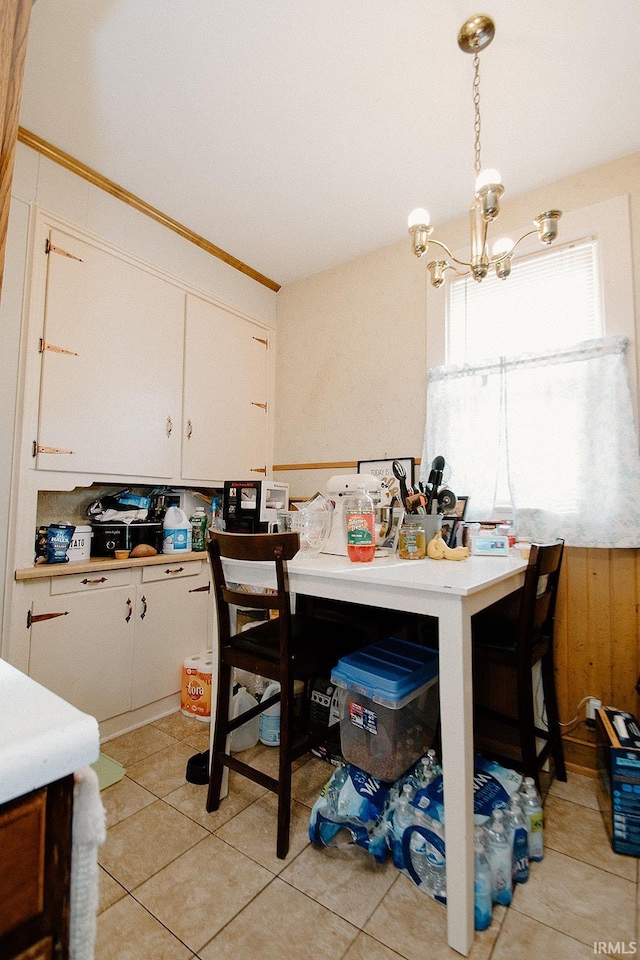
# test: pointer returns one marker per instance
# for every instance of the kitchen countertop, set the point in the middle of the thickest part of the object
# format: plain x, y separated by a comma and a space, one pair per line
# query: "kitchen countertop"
44, 570
42, 737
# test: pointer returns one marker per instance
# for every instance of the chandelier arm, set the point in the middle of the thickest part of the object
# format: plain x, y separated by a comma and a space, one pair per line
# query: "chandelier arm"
509, 253
438, 243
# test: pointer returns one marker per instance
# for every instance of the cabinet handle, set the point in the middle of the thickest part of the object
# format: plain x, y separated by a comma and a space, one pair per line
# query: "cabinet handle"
206, 589
37, 617
144, 608
169, 426
174, 569
189, 429
129, 610
99, 580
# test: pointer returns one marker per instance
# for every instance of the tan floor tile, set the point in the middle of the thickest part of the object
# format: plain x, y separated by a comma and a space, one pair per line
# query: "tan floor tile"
347, 881
145, 842
267, 758
580, 832
109, 890
579, 900
527, 939
281, 924
199, 739
123, 799
127, 932
191, 800
578, 788
134, 746
201, 891
163, 771
307, 781
254, 830
415, 926
178, 726
365, 947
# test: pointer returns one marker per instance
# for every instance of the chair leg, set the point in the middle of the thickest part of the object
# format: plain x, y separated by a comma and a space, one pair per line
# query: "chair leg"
220, 738
284, 770
527, 727
553, 720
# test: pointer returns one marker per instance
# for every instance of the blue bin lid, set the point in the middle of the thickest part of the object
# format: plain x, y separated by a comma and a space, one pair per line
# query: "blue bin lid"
388, 670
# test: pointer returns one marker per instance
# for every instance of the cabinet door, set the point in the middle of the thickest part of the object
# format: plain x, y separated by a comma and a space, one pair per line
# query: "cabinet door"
112, 352
225, 426
82, 648
172, 622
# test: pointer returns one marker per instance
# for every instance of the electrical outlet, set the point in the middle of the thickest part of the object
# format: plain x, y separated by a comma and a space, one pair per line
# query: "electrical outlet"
592, 705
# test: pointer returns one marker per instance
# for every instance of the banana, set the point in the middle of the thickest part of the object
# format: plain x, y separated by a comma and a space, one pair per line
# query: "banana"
437, 549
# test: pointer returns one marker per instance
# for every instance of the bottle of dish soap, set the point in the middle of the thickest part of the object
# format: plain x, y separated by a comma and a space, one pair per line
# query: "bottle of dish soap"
176, 531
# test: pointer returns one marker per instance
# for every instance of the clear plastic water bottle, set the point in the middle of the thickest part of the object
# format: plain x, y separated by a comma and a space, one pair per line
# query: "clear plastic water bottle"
500, 863
518, 839
534, 817
339, 778
482, 900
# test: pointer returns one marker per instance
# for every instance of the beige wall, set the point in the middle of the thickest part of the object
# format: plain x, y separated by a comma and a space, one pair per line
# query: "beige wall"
352, 354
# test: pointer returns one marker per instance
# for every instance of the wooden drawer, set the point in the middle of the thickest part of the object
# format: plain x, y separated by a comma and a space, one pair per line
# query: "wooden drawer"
84, 582
172, 570
22, 841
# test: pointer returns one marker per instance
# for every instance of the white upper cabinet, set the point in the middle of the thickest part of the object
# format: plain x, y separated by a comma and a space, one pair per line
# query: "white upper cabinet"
225, 418
112, 363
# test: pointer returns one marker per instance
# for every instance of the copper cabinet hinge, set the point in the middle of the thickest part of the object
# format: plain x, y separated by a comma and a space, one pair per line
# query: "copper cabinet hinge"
36, 449
51, 248
54, 349
205, 589
260, 340
259, 470
262, 406
37, 617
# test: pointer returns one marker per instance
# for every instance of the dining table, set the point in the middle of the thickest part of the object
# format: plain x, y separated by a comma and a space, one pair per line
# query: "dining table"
451, 591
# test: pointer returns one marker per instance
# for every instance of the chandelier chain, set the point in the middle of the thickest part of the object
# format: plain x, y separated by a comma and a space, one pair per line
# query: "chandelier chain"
476, 104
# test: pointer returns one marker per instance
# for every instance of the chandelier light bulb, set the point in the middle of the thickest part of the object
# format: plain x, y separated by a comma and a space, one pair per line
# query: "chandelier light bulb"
418, 218
502, 246
488, 178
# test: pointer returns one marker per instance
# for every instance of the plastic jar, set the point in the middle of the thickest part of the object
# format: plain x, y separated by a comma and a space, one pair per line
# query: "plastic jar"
411, 539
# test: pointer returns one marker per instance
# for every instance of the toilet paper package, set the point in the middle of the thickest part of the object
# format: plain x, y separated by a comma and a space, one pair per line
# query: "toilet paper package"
195, 697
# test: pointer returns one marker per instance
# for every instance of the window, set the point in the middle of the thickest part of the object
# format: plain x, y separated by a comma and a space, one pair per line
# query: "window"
533, 411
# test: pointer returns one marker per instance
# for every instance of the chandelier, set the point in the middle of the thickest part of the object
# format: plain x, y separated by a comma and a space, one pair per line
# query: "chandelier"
476, 34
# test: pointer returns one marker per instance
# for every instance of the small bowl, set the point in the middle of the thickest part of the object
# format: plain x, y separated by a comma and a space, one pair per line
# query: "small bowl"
121, 554
313, 527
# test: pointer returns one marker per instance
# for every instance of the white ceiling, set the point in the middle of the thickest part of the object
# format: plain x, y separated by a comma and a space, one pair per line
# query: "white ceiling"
298, 134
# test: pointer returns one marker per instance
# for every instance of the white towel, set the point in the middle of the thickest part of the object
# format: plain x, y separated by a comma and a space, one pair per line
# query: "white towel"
89, 831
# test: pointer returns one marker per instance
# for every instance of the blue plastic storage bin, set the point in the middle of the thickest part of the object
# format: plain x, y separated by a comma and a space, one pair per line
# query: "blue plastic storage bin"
388, 699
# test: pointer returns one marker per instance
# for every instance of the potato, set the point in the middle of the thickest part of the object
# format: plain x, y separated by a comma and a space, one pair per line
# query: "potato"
143, 550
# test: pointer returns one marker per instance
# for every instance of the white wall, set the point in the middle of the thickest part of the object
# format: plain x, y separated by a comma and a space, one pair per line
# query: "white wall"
332, 407
39, 180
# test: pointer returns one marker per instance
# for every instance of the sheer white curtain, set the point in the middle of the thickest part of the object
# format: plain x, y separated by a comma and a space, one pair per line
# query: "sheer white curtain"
558, 426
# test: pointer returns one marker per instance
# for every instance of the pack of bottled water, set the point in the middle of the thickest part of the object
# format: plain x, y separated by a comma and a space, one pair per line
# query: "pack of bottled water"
407, 819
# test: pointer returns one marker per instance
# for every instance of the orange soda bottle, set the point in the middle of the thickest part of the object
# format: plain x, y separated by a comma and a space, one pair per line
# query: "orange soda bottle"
361, 529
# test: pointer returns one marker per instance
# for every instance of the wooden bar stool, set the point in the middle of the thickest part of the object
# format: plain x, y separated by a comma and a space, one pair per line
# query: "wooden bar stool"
516, 633
283, 648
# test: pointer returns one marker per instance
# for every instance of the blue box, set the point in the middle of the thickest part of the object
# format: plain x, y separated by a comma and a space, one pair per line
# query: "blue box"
388, 702
618, 754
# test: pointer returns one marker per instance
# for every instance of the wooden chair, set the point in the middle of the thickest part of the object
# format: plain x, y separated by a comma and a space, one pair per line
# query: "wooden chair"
514, 635
282, 648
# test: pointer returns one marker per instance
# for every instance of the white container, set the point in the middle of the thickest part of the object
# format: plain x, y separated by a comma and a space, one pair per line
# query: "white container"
176, 531
270, 719
246, 736
80, 546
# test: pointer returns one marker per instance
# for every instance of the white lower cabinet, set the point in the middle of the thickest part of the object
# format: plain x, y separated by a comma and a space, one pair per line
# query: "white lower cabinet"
114, 640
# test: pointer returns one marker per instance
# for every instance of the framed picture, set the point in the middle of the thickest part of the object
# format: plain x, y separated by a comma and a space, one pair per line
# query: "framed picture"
383, 470
460, 509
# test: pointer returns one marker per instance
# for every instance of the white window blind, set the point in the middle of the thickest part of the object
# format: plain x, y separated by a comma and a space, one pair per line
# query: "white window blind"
551, 299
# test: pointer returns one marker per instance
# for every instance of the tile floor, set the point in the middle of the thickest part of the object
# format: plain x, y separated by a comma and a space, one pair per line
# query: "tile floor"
177, 883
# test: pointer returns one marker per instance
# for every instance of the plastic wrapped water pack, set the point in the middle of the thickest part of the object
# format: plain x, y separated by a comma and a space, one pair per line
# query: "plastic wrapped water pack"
406, 817
350, 811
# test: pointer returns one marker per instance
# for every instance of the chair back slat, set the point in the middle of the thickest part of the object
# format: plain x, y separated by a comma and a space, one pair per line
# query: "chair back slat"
538, 603
256, 546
